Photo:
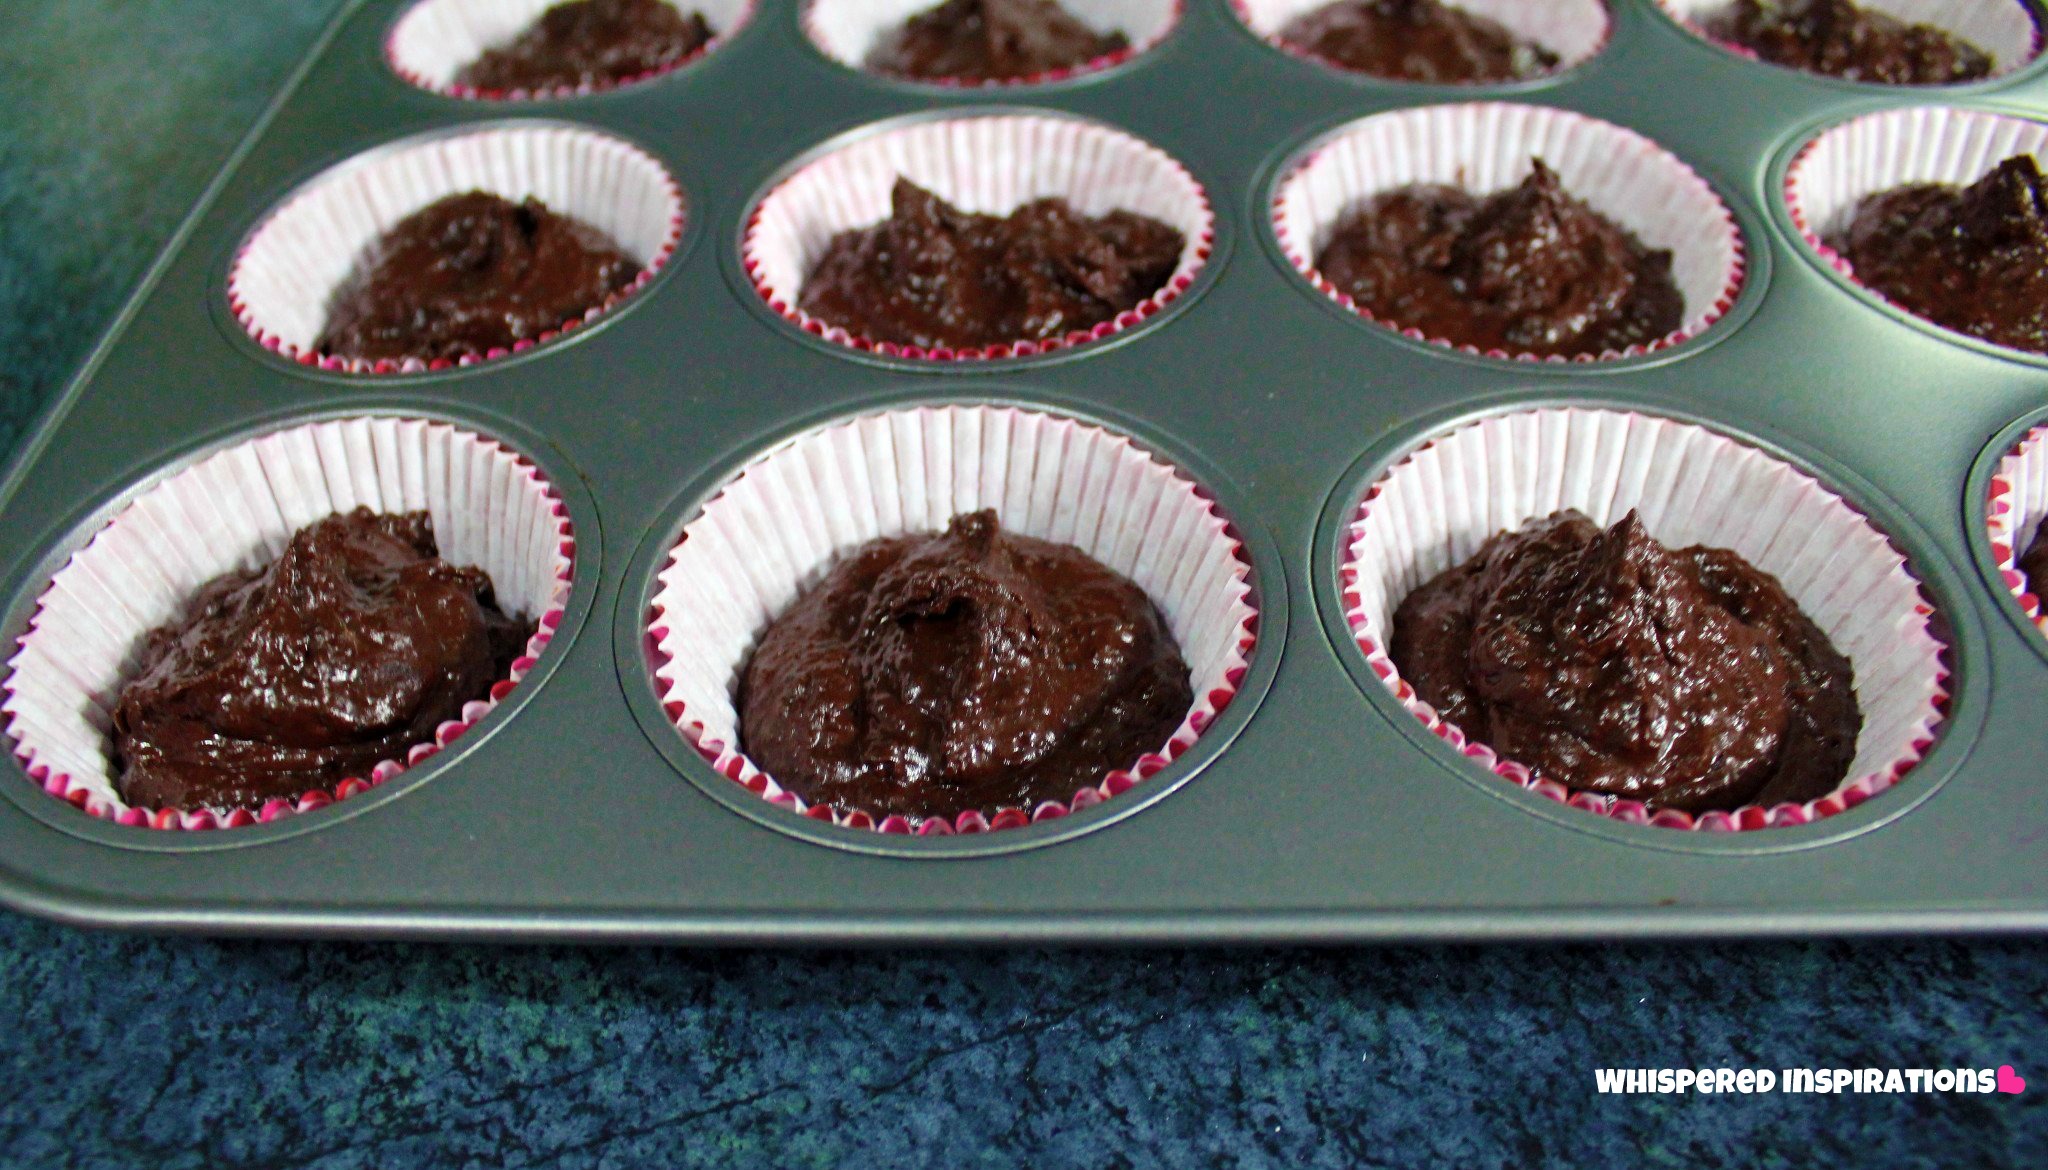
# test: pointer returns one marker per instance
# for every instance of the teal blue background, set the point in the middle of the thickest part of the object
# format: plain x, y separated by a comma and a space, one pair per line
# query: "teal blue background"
121, 1051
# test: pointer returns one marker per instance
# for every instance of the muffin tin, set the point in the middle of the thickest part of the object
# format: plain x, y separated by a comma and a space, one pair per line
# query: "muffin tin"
1313, 806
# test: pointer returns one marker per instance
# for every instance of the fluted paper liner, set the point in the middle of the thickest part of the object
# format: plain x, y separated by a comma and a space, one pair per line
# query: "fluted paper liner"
2003, 29
2017, 504
1485, 147
431, 43
847, 30
781, 523
286, 272
1574, 31
1692, 485
235, 510
1877, 152
989, 163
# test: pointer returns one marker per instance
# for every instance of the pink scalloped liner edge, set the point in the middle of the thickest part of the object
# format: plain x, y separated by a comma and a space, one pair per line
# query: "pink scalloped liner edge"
1738, 273
1178, 283
1749, 54
61, 785
728, 761
473, 93
1043, 77
1634, 812
1998, 522
414, 365
1244, 17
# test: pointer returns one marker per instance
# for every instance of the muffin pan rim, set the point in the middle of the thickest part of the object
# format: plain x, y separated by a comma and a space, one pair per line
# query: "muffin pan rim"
78, 529
1967, 659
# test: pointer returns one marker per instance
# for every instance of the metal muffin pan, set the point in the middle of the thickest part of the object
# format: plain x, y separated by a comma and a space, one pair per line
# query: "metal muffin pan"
1317, 809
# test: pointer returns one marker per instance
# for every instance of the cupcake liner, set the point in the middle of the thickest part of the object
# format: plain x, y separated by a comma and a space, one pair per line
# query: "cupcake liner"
1573, 30
2004, 29
2018, 500
1877, 152
988, 163
432, 42
287, 270
1692, 485
1485, 147
846, 30
781, 522
236, 509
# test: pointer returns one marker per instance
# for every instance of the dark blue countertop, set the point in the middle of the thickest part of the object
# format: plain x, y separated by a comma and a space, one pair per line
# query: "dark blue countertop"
123, 1051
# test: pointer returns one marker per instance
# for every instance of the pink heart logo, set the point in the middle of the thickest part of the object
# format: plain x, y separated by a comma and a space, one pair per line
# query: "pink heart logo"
2010, 1081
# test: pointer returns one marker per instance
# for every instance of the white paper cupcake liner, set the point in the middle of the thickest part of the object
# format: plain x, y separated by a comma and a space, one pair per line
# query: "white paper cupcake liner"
2004, 29
2018, 500
847, 30
1485, 147
435, 39
236, 509
1574, 31
783, 520
287, 270
1692, 485
1877, 152
989, 163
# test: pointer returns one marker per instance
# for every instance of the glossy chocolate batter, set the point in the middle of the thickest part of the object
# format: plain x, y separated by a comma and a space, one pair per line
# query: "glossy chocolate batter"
345, 651
589, 42
932, 275
1974, 259
934, 674
469, 274
1682, 678
1838, 38
1531, 270
2034, 561
990, 40
1416, 40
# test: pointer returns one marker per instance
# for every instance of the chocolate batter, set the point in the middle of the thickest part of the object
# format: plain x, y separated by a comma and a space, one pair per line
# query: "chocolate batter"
2034, 561
1415, 40
1840, 39
1683, 678
351, 647
469, 274
934, 674
589, 42
990, 40
932, 275
1530, 270
1973, 259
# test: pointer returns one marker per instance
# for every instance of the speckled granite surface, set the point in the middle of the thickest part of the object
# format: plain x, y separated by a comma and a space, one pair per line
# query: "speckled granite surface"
118, 1051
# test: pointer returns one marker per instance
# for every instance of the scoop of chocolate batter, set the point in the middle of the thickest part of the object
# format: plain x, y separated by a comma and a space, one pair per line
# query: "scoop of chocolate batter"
590, 42
990, 40
1681, 678
1529, 270
1416, 40
2034, 561
934, 674
468, 274
1973, 259
1838, 38
932, 275
345, 651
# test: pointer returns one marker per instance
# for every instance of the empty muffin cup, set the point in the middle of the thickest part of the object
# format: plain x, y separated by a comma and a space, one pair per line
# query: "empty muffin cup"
1573, 31
1865, 155
431, 44
792, 512
283, 280
1486, 147
987, 163
2003, 29
848, 30
1691, 485
236, 509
